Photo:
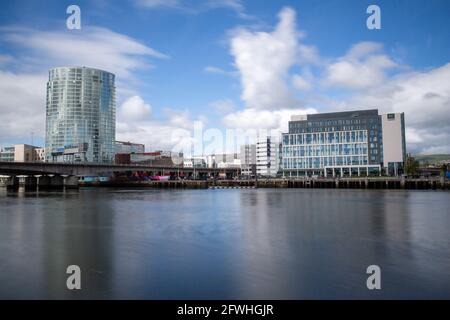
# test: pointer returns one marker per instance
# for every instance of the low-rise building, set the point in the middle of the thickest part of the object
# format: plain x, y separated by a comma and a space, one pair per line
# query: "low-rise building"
22, 153
128, 147
156, 158
213, 161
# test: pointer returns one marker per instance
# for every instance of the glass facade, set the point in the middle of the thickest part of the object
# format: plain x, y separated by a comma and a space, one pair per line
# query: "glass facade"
81, 115
333, 140
7, 154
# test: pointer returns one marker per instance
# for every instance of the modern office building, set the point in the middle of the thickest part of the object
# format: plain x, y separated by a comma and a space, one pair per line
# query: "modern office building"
342, 143
248, 160
22, 153
81, 115
7, 154
267, 156
129, 147
394, 142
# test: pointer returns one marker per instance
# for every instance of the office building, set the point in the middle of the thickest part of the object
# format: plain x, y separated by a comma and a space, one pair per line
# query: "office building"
267, 156
341, 144
7, 154
81, 115
22, 153
248, 160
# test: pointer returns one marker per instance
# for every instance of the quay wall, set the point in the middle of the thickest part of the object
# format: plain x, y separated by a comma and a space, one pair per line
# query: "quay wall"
336, 183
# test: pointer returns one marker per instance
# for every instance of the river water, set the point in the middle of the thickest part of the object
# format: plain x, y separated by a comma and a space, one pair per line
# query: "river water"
225, 244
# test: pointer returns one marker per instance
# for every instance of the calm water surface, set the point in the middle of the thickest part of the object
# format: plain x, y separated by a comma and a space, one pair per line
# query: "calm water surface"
225, 244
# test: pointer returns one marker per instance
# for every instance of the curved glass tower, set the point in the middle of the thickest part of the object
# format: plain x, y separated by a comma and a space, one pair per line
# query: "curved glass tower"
81, 115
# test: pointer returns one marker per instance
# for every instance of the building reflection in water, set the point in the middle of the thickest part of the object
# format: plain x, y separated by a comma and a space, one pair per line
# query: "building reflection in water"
224, 244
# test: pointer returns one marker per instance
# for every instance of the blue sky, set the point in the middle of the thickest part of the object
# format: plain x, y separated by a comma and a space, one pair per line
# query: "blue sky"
178, 61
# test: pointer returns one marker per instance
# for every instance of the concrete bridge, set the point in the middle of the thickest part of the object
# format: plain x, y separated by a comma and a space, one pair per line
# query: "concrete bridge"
66, 174
94, 169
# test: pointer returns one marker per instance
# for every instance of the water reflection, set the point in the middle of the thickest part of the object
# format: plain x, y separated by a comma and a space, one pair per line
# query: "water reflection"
224, 244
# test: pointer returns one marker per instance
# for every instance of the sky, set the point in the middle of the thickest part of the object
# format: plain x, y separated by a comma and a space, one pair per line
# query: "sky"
231, 65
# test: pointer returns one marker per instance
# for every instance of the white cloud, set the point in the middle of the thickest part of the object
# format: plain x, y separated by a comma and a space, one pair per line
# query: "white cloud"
300, 83
134, 108
425, 99
216, 70
251, 118
91, 47
22, 92
264, 59
174, 132
22, 105
196, 6
363, 66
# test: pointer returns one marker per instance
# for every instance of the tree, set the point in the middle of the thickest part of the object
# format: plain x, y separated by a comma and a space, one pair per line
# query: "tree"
411, 166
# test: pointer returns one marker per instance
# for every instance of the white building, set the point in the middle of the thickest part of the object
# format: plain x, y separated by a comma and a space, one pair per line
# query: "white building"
267, 156
213, 160
39, 154
248, 160
394, 146
236, 164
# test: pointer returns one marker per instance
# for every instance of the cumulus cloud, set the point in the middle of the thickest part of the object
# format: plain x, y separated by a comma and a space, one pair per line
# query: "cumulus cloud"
425, 99
134, 108
263, 60
251, 118
22, 105
23, 90
363, 66
300, 83
365, 77
173, 132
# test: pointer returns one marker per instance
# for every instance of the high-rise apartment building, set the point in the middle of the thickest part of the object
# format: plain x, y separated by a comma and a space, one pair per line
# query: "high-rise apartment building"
81, 115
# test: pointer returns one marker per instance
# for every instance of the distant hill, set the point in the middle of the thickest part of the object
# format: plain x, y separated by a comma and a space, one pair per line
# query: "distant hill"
431, 158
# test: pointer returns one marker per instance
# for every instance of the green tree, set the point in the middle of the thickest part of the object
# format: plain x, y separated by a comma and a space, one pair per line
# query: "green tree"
411, 166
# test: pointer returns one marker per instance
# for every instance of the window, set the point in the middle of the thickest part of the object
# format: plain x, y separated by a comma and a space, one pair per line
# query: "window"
391, 116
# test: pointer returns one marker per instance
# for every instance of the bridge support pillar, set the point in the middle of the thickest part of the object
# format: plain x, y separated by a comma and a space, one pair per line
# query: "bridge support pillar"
56, 182
9, 182
71, 182
28, 182
43, 182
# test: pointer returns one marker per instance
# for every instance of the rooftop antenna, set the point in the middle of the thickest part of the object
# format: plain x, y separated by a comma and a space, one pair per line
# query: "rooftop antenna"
32, 138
